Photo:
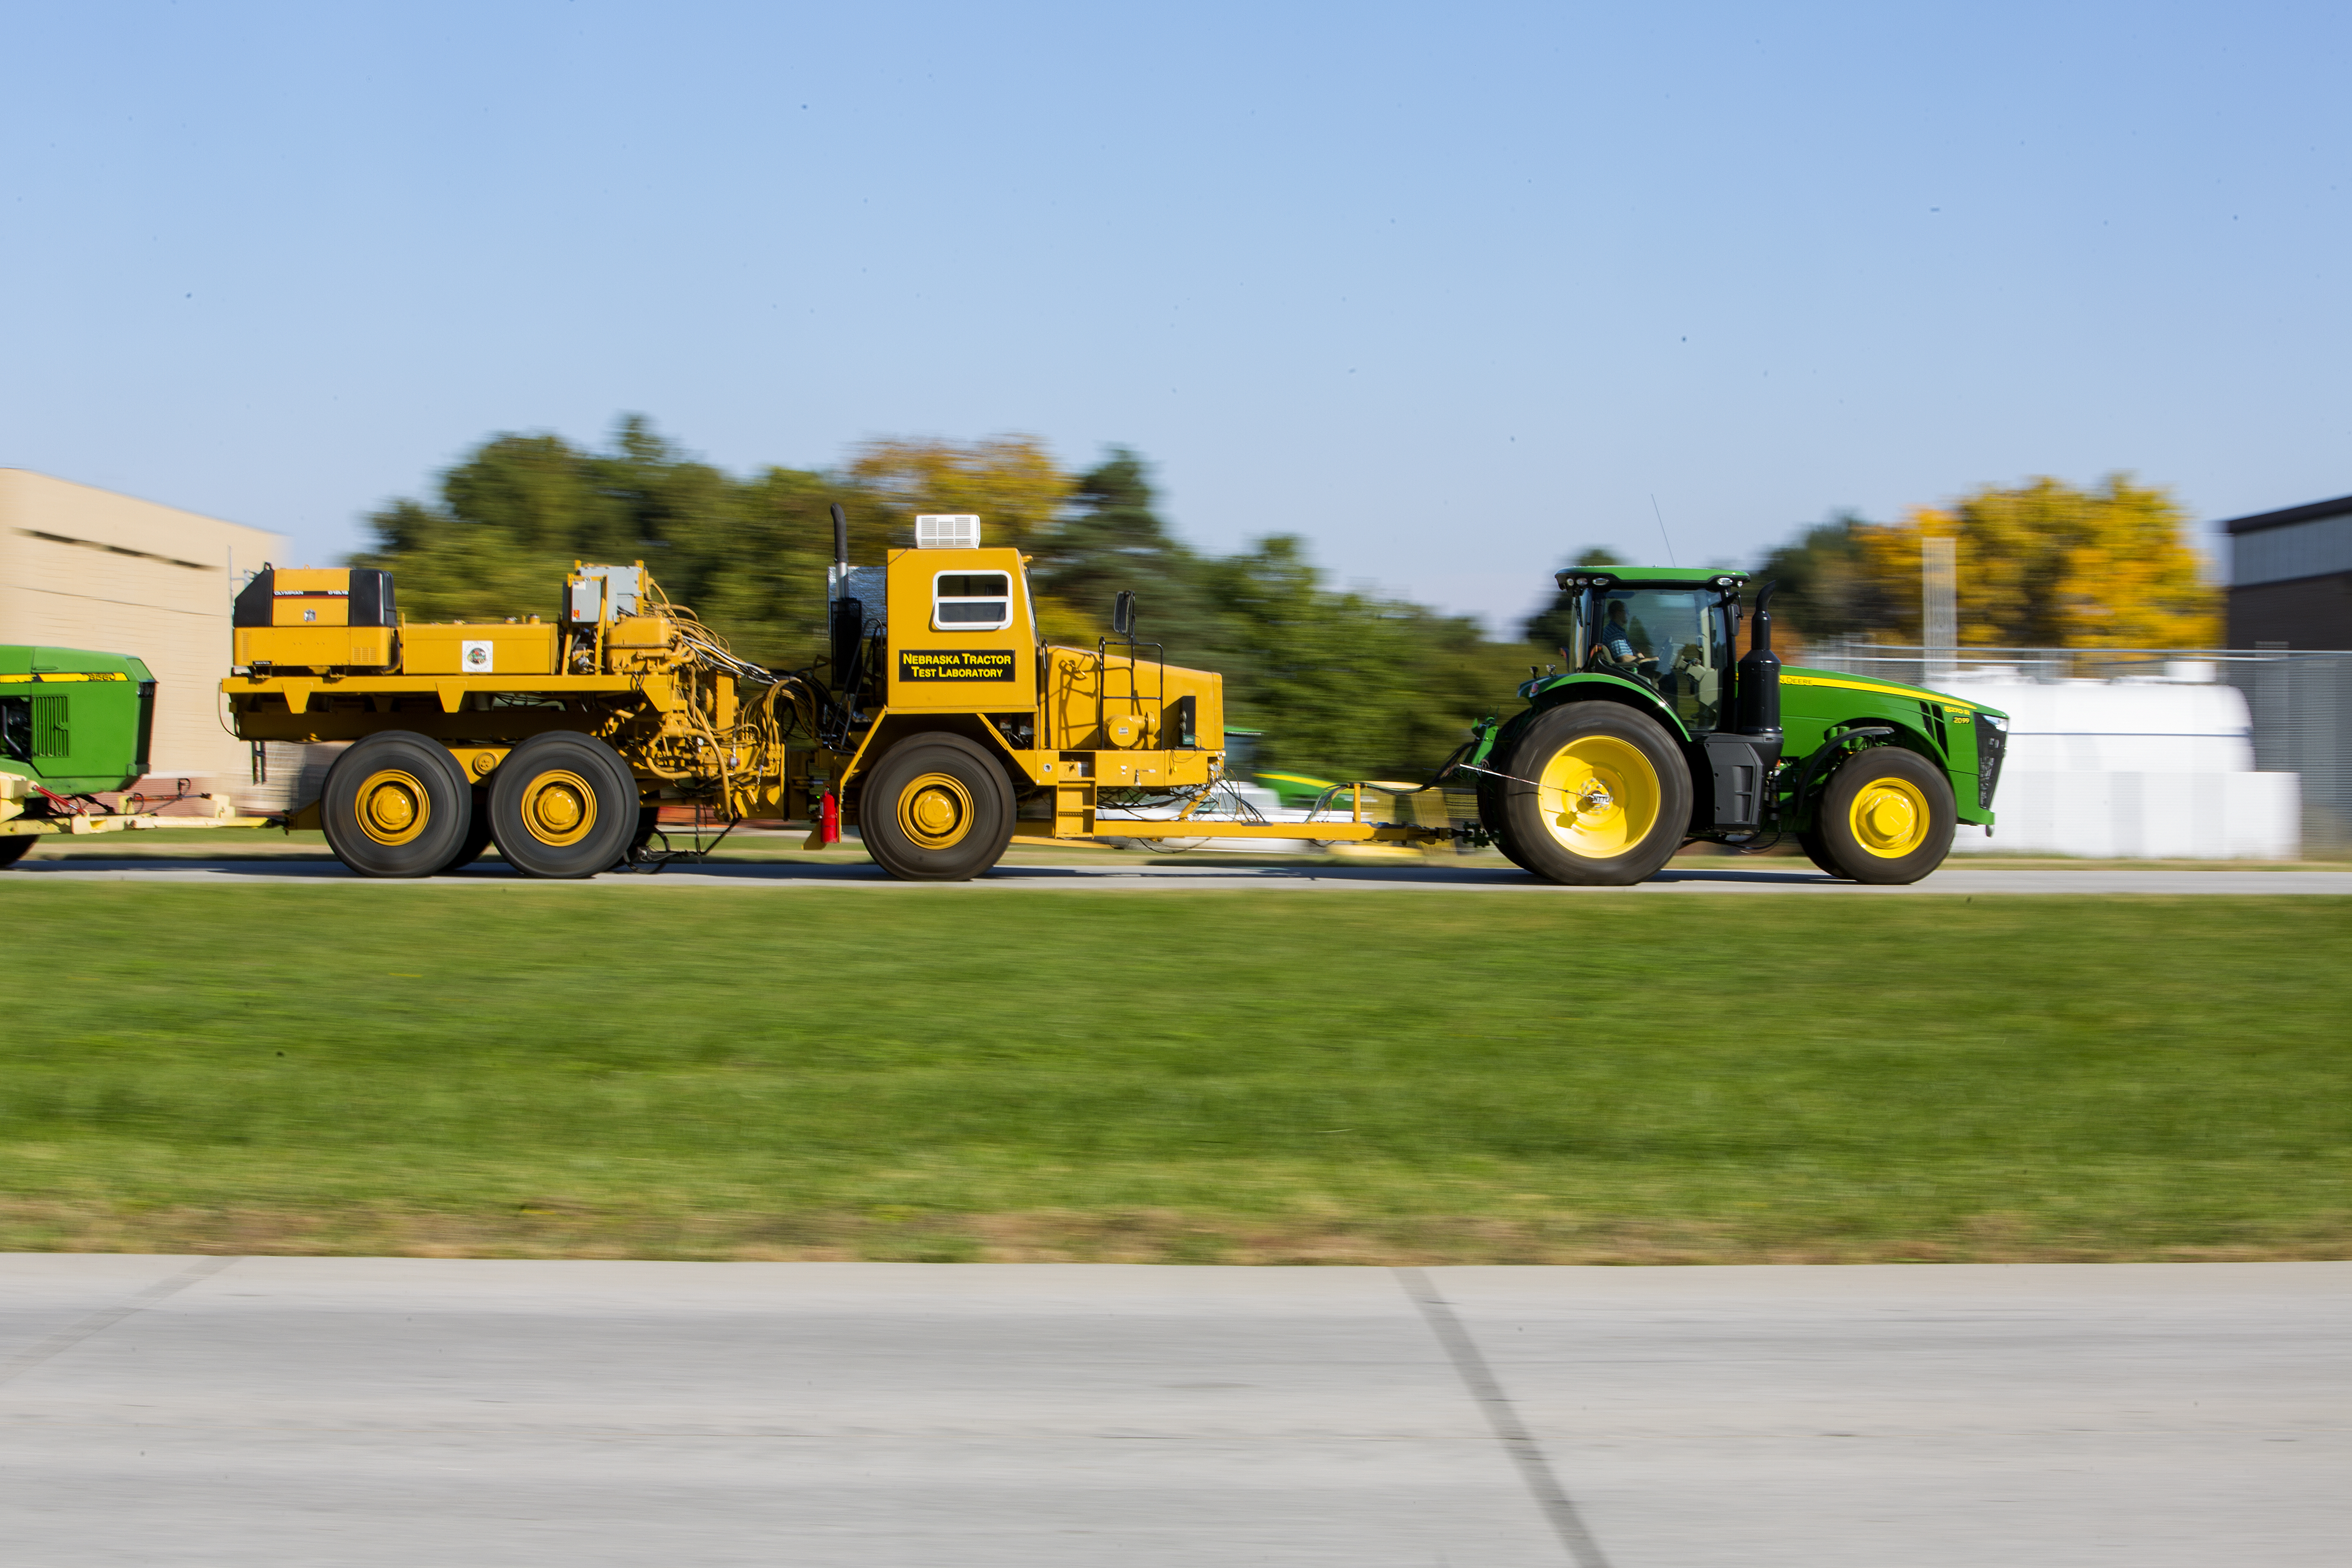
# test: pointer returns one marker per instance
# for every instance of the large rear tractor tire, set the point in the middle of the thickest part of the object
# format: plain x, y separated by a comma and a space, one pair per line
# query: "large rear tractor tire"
1495, 821
1598, 795
396, 804
938, 808
16, 846
563, 805
1886, 818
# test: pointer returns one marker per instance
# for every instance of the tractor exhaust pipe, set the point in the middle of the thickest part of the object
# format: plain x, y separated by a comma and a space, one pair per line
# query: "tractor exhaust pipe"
847, 616
1760, 676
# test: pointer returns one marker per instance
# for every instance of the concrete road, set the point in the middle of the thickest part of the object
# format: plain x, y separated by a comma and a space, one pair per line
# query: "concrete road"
1113, 875
276, 1411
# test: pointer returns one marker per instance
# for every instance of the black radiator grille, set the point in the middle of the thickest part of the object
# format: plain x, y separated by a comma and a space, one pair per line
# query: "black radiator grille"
1993, 744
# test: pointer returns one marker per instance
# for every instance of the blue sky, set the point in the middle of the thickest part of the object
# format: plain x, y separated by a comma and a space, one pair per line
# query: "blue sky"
1452, 290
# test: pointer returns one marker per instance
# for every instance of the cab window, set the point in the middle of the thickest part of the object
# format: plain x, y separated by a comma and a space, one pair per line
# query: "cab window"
971, 601
1676, 643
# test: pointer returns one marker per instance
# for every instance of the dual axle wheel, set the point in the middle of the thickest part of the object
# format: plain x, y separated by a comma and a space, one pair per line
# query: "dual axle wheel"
560, 805
1598, 795
938, 808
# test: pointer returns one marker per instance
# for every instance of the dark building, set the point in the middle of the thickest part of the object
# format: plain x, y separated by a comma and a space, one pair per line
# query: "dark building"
2291, 577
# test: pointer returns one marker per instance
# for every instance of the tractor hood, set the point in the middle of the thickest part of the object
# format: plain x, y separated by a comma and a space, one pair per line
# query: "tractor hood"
1797, 675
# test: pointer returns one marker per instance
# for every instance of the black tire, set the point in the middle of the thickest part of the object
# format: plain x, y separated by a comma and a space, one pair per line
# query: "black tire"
1629, 826
1809, 841
1491, 818
1886, 818
563, 805
396, 804
16, 846
938, 808
477, 836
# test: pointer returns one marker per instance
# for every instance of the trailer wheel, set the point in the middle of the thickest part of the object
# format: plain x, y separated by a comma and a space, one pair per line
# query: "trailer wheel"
1606, 795
14, 847
937, 809
563, 805
396, 804
1886, 818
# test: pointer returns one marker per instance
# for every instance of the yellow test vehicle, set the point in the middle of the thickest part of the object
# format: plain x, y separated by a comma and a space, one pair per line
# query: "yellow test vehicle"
941, 726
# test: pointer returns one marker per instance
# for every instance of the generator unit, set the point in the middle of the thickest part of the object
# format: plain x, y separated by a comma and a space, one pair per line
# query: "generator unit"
315, 619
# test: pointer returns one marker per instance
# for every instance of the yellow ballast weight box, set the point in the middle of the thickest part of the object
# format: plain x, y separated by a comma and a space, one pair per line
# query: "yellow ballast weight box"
306, 617
478, 648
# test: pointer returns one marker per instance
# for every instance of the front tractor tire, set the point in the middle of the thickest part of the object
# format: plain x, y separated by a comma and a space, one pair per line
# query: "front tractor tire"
16, 846
938, 808
1598, 795
564, 806
1886, 818
396, 804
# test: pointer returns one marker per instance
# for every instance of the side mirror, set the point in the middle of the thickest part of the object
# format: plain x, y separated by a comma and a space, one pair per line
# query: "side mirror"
1122, 613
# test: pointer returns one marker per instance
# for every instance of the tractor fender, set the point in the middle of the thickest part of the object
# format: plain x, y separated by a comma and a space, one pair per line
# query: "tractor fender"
1590, 686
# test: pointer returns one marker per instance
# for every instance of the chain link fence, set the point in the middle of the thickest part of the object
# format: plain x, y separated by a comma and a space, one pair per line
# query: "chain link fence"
2300, 703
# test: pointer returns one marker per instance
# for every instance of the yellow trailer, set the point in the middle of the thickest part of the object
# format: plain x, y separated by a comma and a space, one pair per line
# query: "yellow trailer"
940, 725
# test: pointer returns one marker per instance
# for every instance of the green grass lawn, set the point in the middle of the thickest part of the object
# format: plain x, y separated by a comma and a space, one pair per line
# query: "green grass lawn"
976, 1072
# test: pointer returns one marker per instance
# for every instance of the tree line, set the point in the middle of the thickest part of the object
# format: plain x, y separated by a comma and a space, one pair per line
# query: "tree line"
1340, 683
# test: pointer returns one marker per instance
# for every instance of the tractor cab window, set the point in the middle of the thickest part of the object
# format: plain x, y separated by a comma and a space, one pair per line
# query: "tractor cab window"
971, 601
1677, 642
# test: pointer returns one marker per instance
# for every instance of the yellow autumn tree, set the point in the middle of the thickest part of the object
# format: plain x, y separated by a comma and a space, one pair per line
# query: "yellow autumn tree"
1011, 481
2048, 565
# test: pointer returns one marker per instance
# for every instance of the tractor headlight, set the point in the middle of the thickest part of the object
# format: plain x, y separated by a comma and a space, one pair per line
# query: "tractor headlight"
1995, 719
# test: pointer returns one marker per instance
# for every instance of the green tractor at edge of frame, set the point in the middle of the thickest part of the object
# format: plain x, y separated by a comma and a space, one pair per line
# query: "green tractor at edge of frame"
72, 723
1653, 737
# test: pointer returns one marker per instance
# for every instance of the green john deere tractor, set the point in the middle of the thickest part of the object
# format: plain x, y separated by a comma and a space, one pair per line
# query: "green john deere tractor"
1653, 737
71, 723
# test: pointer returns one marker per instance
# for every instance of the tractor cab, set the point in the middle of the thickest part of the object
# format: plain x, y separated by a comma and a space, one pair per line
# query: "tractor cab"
1669, 632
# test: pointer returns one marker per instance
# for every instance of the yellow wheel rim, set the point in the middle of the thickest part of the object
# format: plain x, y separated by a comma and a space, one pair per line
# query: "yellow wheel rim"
558, 807
394, 807
1598, 795
935, 811
1889, 817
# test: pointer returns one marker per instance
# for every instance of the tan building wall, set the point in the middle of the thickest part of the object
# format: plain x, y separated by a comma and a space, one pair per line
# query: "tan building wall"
87, 568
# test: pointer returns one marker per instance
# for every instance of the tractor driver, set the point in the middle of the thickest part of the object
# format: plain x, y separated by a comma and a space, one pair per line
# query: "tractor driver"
1617, 640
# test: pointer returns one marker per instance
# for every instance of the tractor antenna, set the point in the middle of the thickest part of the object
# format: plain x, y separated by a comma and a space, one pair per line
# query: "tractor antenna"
1661, 528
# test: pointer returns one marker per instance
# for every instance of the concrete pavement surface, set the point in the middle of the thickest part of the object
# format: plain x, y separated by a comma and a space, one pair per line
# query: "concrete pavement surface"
1120, 875
268, 1411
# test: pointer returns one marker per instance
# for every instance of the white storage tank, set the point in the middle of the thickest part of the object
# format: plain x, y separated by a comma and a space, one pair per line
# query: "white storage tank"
2145, 767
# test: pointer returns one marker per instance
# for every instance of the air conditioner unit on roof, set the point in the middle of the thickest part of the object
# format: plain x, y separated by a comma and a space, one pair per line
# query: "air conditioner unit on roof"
947, 531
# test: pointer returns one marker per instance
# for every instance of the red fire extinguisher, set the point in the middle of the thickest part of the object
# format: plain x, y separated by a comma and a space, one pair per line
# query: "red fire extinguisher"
829, 819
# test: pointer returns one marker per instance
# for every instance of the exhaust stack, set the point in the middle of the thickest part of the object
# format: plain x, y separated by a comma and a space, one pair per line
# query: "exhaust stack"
1760, 676
847, 623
